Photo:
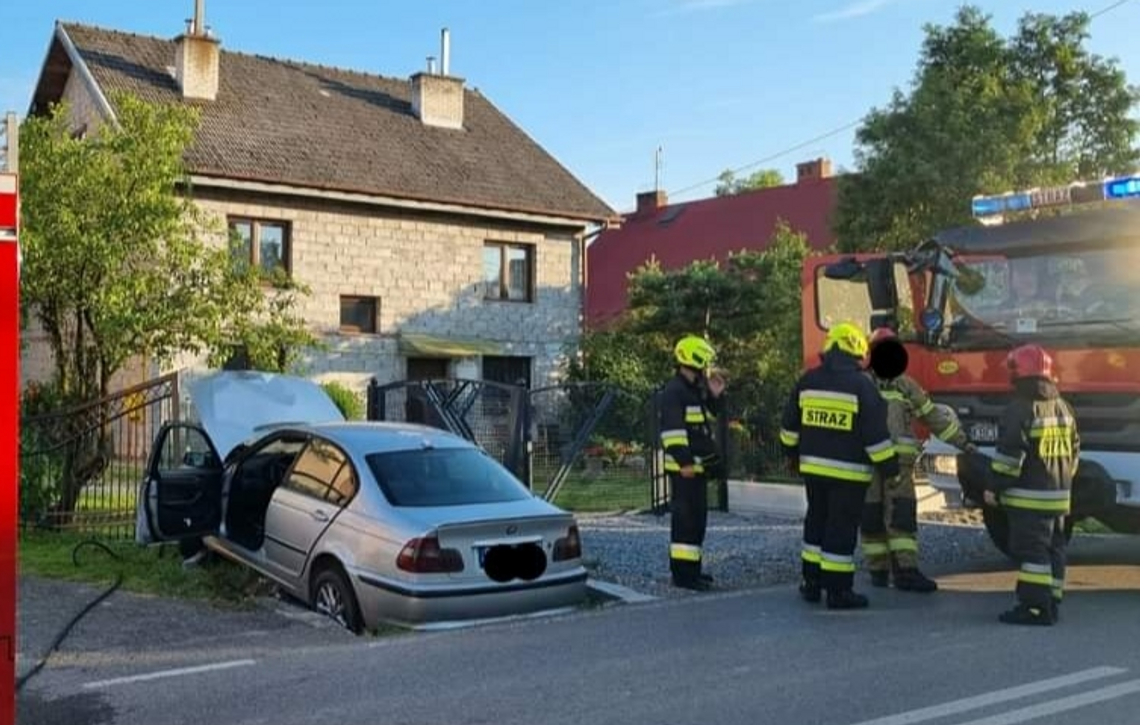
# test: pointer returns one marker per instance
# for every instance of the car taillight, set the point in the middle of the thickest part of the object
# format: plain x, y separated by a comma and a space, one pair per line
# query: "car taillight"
424, 556
569, 546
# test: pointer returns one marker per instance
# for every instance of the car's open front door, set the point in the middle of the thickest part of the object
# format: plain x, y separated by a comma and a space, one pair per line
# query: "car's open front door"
182, 492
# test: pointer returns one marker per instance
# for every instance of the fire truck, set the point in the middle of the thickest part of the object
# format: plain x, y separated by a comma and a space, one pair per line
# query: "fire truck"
1059, 267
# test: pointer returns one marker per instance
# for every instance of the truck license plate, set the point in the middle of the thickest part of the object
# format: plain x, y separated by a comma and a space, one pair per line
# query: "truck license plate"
984, 432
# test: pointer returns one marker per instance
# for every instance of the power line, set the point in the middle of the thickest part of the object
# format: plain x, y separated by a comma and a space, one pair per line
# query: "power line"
839, 130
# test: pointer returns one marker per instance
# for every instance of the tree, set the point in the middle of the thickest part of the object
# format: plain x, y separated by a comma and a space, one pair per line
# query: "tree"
118, 261
985, 115
763, 179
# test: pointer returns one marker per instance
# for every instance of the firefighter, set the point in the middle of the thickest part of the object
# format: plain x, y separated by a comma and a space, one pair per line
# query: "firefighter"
890, 515
835, 433
1031, 475
690, 402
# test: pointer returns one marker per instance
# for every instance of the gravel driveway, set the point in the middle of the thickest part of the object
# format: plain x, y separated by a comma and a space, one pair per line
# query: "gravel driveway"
741, 551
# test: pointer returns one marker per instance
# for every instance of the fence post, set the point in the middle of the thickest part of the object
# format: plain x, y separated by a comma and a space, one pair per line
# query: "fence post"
722, 434
373, 400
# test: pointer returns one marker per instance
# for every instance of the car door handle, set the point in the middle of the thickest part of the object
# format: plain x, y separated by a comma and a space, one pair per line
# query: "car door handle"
319, 515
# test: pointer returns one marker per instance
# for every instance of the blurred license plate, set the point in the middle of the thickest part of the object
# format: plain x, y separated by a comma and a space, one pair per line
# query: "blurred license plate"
986, 432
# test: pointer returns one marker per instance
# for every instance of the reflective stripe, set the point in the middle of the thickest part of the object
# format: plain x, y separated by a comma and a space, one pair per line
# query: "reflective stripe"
685, 552
831, 468
875, 548
881, 451
1036, 500
672, 466
830, 400
837, 563
950, 431
906, 444
903, 544
892, 395
676, 437
810, 554
926, 408
789, 437
1040, 574
1009, 465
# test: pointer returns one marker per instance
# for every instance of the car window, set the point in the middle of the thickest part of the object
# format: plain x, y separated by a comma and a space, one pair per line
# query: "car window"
344, 487
266, 466
444, 477
316, 469
186, 448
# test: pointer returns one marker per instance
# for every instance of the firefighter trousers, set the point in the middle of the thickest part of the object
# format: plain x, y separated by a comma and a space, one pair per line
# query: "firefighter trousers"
890, 521
688, 506
1037, 543
831, 531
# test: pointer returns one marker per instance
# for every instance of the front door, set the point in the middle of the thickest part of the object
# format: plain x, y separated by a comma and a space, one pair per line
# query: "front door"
183, 492
416, 408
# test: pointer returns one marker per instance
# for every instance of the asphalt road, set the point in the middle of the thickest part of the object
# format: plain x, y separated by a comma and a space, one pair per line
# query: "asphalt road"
746, 657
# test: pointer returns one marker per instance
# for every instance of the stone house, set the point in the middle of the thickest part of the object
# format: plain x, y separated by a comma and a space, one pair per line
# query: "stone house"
437, 238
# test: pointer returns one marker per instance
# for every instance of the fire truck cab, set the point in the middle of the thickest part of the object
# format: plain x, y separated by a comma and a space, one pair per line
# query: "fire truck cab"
1068, 281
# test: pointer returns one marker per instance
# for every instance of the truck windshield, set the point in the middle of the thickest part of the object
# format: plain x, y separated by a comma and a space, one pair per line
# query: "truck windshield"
1091, 294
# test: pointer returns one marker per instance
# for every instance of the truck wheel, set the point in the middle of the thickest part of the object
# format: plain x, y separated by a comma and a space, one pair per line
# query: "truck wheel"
997, 526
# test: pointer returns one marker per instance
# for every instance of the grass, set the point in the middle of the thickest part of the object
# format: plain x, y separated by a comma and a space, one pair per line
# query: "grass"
145, 570
612, 490
1091, 526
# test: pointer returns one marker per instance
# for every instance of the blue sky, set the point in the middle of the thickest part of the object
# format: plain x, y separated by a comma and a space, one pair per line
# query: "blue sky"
601, 84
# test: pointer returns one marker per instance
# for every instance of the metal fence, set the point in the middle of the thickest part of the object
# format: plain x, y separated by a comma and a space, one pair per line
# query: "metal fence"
80, 467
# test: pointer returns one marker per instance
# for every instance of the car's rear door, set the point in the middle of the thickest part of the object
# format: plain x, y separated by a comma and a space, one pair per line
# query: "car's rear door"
182, 491
314, 491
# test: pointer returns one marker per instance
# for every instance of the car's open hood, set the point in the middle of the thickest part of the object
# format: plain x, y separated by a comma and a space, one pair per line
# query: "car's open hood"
233, 406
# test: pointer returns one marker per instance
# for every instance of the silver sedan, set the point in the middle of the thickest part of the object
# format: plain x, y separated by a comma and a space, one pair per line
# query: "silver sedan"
368, 523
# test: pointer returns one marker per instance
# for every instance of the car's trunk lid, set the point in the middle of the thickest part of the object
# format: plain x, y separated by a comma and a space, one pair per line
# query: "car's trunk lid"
494, 548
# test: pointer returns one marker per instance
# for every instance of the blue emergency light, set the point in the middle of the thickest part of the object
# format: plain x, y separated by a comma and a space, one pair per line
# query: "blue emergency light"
1122, 187
1127, 187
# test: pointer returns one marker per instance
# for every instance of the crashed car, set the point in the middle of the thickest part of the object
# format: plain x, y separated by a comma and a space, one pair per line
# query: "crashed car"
366, 522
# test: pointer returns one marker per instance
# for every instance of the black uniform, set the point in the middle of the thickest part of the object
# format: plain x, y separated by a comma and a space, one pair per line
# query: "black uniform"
1032, 473
687, 413
835, 429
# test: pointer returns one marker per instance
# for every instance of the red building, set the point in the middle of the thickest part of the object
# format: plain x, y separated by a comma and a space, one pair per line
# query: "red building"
677, 234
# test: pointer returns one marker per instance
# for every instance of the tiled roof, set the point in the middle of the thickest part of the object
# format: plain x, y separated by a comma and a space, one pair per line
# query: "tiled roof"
677, 234
282, 121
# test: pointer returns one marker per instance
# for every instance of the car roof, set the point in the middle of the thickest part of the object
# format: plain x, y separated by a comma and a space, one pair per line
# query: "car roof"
367, 437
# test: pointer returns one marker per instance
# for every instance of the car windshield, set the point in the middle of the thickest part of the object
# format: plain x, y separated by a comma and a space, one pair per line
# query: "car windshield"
1093, 293
444, 477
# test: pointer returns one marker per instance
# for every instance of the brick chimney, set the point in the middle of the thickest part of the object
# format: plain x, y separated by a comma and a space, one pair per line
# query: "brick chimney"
196, 58
650, 201
437, 99
813, 170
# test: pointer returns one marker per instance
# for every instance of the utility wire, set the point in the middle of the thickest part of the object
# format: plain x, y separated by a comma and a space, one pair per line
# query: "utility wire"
839, 130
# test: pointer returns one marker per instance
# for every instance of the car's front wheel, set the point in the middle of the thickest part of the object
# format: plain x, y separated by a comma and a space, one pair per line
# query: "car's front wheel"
334, 598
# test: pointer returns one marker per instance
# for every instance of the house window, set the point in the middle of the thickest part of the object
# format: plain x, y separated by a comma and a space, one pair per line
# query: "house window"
508, 272
262, 243
359, 314
504, 369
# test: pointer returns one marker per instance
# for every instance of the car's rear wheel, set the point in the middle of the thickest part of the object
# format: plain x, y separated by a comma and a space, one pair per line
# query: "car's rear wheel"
334, 598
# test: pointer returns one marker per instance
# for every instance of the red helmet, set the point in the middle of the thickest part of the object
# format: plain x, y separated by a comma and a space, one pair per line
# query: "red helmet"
883, 333
1030, 361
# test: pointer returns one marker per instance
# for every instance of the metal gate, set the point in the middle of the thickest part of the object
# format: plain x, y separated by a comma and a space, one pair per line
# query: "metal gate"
80, 467
575, 444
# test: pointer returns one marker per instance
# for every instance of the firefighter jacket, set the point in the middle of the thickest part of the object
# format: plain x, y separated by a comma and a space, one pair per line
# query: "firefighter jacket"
906, 402
1037, 452
687, 415
835, 423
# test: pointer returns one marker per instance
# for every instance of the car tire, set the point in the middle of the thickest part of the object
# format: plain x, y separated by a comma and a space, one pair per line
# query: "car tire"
334, 598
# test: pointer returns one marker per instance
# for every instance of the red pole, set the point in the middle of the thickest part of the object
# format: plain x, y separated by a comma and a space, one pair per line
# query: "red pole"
9, 437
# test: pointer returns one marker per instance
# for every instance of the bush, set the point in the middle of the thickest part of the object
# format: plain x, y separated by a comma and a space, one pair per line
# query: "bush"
351, 404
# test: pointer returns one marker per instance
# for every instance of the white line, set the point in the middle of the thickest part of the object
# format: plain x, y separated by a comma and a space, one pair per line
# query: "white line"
1052, 707
993, 698
169, 673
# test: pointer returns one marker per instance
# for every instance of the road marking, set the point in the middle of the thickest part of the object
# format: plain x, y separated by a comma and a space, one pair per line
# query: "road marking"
1052, 707
993, 698
168, 673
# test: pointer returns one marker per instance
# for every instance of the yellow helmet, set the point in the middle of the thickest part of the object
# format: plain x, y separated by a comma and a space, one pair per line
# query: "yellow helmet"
694, 352
849, 338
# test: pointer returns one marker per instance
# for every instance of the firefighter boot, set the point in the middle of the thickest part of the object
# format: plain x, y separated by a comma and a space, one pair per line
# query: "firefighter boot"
913, 580
845, 599
881, 578
1025, 614
810, 591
